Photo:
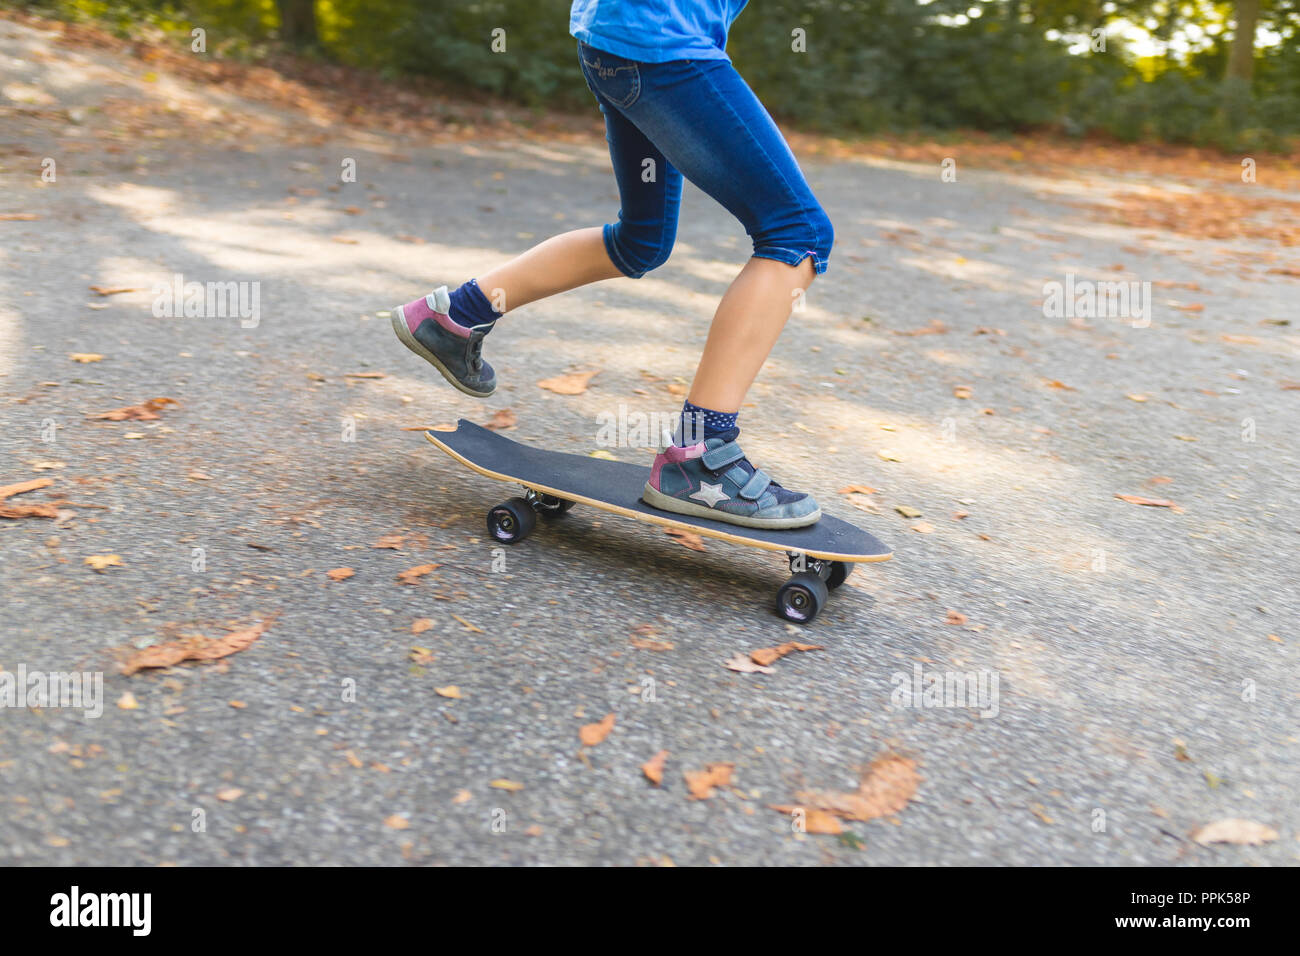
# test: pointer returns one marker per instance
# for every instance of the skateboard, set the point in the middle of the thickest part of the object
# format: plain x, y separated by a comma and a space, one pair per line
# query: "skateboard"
821, 555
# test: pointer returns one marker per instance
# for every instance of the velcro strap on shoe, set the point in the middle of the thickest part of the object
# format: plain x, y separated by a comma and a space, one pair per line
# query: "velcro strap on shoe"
715, 459
756, 485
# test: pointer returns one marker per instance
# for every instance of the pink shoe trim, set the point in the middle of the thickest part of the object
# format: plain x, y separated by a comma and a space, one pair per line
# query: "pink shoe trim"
422, 309
674, 455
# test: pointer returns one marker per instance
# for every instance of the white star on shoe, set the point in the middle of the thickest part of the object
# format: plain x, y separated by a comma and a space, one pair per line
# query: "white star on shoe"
711, 494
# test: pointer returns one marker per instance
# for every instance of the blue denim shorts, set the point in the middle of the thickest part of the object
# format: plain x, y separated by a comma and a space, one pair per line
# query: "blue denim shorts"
698, 119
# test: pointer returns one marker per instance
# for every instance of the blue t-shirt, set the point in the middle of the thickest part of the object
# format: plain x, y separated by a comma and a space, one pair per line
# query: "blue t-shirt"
656, 31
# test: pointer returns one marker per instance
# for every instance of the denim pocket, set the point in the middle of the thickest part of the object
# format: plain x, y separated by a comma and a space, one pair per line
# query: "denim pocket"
616, 79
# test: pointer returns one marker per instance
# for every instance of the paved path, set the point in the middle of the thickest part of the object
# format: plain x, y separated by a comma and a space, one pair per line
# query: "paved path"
1145, 657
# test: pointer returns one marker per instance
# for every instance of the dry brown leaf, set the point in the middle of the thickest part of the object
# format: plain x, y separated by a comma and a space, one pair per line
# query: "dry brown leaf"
100, 562
511, 786
421, 624
592, 734
858, 490
194, 649
229, 794
571, 383
128, 702
8, 491
1235, 830
766, 656
340, 574
814, 820
29, 511
392, 541
1151, 502
701, 783
462, 796
451, 690
111, 290
888, 787
502, 418
467, 625
144, 412
18, 217
955, 617
923, 527
742, 664
396, 822
1057, 384
654, 768
961, 391
85, 358
687, 539
410, 575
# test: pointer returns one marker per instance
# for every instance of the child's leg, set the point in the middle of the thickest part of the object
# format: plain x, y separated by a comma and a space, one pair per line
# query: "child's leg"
562, 262
750, 317
712, 127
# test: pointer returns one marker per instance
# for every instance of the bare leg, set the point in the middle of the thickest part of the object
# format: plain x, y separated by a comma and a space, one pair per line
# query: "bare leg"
749, 319
562, 262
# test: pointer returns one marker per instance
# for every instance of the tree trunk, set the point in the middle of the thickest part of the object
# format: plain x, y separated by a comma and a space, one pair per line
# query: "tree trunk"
298, 22
1241, 58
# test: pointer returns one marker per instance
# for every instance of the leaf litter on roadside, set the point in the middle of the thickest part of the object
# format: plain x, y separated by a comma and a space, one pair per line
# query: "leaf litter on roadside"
197, 648
885, 789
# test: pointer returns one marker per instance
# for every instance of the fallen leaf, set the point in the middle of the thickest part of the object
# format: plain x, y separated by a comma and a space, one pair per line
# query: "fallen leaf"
961, 391
1234, 830
85, 358
592, 734
907, 511
654, 767
467, 625
1150, 502
955, 617
410, 575
397, 822
508, 785
766, 656
340, 574
857, 490
887, 787
503, 418
814, 820
1135, 397
144, 412
111, 290
128, 702
18, 217
42, 510
687, 539
602, 454
462, 796
7, 491
742, 664
421, 624
923, 527
194, 649
701, 783
101, 561
229, 794
885, 455
451, 690
1057, 384
572, 383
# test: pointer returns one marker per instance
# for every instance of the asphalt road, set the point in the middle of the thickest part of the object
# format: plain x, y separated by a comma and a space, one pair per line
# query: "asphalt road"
1145, 657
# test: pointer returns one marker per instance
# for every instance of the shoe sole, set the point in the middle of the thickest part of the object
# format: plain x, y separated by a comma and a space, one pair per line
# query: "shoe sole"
412, 343
657, 499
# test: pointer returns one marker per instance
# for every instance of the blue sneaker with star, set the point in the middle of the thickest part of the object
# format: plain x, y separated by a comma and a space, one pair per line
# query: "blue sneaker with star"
714, 479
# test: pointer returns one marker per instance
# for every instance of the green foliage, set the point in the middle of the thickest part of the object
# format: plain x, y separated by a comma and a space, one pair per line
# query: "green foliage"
868, 66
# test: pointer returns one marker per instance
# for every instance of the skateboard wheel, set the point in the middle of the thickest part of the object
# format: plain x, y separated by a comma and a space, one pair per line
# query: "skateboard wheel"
840, 570
551, 506
511, 521
801, 598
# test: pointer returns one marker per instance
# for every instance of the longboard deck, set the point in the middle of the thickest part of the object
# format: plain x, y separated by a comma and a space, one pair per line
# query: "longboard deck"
615, 486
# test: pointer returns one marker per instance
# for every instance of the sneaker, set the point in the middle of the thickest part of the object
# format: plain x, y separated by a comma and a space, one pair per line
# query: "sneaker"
457, 352
714, 479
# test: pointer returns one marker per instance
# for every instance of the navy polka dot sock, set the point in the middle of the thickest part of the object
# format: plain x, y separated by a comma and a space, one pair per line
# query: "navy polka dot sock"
470, 307
700, 424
